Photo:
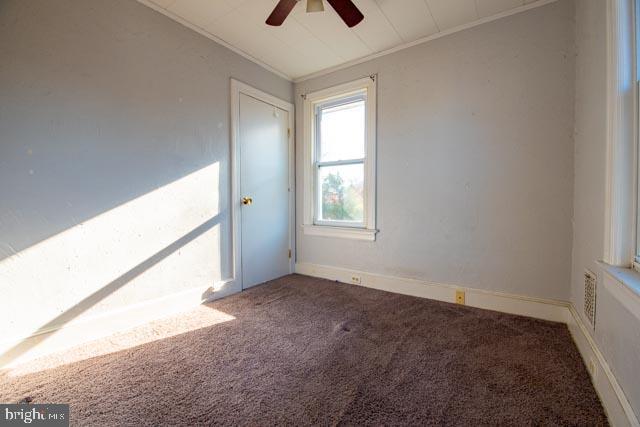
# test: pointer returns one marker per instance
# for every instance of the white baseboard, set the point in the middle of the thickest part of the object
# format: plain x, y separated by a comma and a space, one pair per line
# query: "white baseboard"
525, 306
613, 398
611, 395
22, 349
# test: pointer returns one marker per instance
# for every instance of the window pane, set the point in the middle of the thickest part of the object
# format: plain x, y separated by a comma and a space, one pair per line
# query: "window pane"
341, 193
342, 132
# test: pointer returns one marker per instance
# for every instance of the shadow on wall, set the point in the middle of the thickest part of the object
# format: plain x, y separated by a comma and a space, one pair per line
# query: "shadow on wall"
160, 243
75, 311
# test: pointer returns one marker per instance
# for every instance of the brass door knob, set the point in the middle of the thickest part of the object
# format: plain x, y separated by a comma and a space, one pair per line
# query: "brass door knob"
247, 200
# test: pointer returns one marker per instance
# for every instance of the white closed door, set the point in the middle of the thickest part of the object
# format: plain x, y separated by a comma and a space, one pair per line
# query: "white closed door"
264, 191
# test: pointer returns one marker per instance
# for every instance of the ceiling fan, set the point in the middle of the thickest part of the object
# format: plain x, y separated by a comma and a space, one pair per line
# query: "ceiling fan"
345, 8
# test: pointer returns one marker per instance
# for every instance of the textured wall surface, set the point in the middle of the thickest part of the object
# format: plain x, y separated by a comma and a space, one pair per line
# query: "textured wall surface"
475, 159
114, 158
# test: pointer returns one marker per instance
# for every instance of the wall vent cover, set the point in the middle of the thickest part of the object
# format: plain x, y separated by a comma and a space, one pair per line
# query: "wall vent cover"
590, 281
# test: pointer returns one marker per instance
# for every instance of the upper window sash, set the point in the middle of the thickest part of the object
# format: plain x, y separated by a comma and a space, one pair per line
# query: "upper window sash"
360, 96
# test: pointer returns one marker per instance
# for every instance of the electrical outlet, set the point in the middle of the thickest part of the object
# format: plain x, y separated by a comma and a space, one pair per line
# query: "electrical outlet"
460, 297
356, 280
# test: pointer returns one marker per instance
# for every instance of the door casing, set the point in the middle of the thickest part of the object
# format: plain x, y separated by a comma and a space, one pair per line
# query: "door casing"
238, 87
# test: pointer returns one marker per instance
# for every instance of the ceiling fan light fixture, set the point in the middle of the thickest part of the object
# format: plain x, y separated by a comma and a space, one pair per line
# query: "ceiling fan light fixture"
315, 6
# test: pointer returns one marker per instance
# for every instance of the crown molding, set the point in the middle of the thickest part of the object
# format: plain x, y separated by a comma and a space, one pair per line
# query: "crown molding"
426, 39
216, 39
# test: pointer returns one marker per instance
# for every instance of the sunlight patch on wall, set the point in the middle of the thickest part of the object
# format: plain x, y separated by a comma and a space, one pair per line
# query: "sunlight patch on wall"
162, 242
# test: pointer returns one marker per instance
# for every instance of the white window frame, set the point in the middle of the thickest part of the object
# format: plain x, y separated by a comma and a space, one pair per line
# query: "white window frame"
620, 190
367, 229
635, 7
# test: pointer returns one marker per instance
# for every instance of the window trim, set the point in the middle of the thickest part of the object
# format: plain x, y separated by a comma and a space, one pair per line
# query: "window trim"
635, 63
620, 187
361, 231
635, 264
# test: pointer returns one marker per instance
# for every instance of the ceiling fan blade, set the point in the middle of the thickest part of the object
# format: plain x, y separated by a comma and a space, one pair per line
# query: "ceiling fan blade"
280, 13
347, 11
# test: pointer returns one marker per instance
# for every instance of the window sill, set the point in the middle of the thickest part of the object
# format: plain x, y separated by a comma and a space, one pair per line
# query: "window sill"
340, 232
629, 281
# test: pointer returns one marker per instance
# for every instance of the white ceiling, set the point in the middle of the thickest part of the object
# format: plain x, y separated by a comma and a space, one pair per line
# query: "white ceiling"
311, 42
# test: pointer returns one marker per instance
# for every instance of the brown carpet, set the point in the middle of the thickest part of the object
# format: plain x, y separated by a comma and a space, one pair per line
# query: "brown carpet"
310, 351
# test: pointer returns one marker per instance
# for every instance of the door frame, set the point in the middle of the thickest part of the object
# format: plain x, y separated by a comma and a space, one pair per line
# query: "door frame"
237, 88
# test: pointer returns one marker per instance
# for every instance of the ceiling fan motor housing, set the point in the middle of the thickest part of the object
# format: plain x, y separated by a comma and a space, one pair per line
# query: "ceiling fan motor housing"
347, 11
315, 6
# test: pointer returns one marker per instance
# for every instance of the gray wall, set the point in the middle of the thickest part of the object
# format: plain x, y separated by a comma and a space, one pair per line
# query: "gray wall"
617, 330
590, 143
475, 159
114, 158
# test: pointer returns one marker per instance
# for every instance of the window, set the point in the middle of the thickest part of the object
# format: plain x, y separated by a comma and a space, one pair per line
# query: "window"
339, 152
339, 165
